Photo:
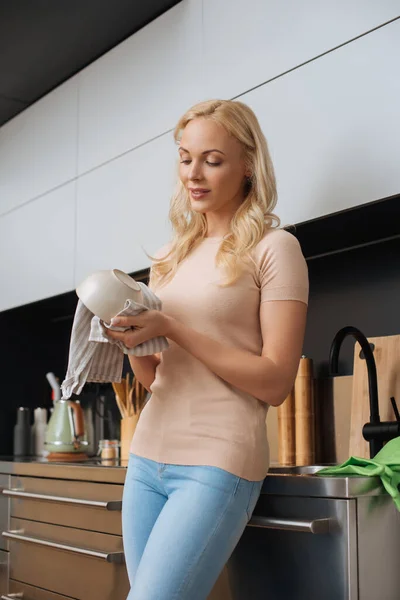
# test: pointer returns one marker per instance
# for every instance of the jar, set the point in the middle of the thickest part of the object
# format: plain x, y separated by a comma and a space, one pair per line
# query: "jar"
109, 449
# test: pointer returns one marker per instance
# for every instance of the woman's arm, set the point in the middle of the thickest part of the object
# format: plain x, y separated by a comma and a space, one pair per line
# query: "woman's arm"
144, 368
268, 377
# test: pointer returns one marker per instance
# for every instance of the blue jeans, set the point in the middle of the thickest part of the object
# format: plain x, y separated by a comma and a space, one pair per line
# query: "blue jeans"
180, 525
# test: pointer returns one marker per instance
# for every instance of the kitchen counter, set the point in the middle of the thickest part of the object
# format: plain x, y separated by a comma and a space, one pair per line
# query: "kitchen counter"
282, 481
69, 510
93, 469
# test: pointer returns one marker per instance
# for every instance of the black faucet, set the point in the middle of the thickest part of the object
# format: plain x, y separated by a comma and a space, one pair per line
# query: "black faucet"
375, 432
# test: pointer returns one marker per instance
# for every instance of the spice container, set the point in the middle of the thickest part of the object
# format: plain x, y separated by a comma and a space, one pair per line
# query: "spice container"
109, 449
22, 432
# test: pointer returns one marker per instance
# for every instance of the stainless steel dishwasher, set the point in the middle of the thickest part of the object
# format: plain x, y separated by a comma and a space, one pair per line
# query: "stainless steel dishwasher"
314, 538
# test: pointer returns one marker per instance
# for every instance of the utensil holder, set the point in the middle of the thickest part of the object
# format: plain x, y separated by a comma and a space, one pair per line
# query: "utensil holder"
128, 426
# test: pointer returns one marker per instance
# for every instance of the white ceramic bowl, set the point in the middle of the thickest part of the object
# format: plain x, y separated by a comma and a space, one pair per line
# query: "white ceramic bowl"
104, 293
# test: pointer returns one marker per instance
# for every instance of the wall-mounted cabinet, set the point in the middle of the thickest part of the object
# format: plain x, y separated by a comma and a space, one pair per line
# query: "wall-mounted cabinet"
122, 209
333, 127
56, 137
17, 151
262, 39
38, 149
37, 248
138, 90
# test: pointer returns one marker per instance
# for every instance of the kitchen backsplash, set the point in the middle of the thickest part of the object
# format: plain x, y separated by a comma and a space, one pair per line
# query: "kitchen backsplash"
357, 286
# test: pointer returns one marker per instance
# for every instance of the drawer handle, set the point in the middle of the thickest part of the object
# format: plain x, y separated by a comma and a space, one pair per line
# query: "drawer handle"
108, 505
12, 596
314, 526
110, 557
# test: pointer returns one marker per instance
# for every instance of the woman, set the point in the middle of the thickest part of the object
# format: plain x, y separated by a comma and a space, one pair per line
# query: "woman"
234, 289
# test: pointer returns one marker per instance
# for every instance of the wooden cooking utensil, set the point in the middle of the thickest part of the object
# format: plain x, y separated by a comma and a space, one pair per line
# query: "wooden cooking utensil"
119, 390
387, 359
137, 395
304, 413
127, 388
286, 431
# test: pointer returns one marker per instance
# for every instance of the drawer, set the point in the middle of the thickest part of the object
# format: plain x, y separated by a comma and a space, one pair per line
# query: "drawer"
84, 565
299, 548
4, 509
3, 573
80, 504
30, 593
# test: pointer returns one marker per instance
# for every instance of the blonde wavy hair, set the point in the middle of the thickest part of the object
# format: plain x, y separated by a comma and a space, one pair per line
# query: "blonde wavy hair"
251, 220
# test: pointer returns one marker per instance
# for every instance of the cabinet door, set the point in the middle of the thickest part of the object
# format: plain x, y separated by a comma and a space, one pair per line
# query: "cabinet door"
139, 89
80, 504
37, 248
30, 593
262, 39
285, 563
3, 573
84, 565
4, 509
122, 209
333, 127
38, 148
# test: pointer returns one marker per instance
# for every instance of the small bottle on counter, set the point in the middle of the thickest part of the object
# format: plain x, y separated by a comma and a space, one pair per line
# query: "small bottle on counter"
22, 432
109, 449
39, 431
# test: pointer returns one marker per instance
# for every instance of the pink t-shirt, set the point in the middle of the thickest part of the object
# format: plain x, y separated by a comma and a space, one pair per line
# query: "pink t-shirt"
193, 416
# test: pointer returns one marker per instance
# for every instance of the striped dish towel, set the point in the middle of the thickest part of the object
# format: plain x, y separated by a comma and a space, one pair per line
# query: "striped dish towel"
93, 357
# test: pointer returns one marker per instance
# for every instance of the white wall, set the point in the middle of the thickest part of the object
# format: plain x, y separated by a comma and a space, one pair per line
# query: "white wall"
86, 173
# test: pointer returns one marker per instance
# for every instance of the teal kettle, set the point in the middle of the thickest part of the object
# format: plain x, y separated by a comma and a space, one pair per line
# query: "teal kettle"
65, 430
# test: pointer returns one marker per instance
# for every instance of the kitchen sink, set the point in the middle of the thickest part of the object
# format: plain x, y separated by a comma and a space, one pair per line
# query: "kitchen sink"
296, 470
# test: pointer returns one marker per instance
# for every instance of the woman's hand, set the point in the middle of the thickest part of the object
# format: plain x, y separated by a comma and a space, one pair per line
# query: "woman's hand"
145, 326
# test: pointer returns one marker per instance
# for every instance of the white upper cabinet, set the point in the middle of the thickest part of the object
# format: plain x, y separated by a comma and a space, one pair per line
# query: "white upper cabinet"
333, 127
139, 89
248, 42
17, 152
38, 148
56, 137
122, 209
37, 248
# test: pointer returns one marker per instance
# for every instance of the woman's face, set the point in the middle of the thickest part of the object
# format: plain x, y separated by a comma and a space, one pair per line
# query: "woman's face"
212, 167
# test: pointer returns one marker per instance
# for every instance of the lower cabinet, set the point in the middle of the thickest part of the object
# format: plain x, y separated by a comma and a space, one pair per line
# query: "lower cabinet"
28, 592
64, 541
3, 573
86, 565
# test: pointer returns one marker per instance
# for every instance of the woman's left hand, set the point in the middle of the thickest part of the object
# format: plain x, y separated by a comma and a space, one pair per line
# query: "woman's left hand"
145, 326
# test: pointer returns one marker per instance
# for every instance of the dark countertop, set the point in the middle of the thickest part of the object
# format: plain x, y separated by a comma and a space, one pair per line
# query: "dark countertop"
283, 483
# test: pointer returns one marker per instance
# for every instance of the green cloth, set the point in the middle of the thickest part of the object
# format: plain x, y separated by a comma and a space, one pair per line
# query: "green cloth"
385, 464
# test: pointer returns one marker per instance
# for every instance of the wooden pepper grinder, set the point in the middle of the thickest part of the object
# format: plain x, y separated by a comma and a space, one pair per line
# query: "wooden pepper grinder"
286, 431
304, 413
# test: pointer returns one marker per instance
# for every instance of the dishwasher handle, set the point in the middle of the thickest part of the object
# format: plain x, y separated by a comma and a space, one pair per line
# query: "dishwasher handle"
316, 526
110, 557
108, 505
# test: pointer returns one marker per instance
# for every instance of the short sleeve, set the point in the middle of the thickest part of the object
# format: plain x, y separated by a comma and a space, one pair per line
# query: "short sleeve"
282, 269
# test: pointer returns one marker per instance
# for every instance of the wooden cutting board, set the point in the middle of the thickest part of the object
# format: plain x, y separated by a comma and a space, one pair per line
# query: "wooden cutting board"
387, 358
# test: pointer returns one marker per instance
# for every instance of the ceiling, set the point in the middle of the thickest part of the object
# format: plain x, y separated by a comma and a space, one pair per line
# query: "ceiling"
45, 42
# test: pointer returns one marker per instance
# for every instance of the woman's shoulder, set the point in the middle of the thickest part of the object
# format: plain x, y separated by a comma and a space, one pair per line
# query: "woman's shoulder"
282, 270
276, 241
